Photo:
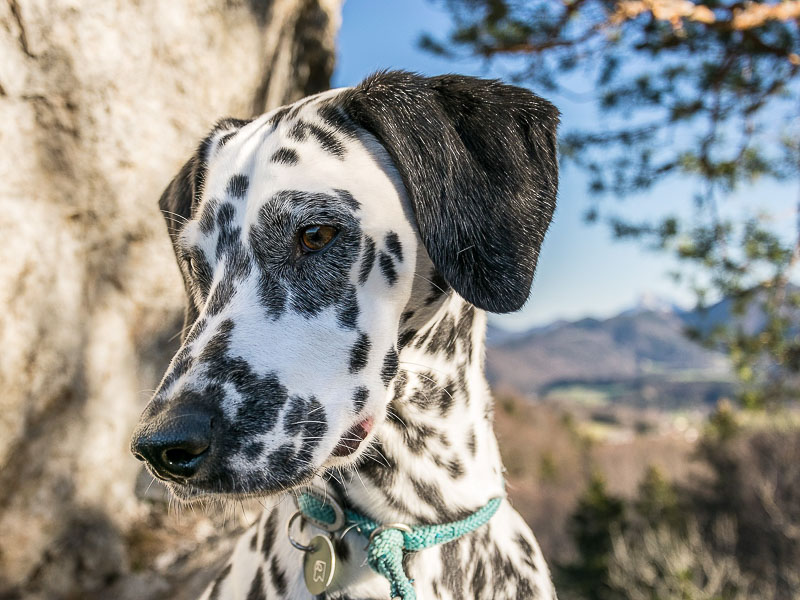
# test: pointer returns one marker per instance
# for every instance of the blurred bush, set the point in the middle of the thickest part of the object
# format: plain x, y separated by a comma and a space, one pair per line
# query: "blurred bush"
731, 534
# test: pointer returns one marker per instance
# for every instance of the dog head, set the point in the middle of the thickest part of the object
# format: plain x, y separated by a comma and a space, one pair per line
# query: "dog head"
300, 236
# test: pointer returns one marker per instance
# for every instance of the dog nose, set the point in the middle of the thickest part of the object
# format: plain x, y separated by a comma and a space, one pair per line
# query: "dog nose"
176, 445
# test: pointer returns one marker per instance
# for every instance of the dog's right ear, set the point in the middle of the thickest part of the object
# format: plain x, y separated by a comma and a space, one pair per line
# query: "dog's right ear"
479, 163
180, 200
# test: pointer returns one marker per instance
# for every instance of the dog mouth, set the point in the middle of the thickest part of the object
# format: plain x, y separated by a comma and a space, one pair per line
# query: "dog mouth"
352, 439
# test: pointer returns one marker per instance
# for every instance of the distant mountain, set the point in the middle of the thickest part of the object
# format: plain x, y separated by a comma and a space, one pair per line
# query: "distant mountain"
641, 356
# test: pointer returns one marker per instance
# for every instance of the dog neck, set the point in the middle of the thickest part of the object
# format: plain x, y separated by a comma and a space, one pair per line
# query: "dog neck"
437, 445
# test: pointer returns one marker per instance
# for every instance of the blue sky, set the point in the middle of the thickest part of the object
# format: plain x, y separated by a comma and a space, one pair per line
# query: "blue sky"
582, 270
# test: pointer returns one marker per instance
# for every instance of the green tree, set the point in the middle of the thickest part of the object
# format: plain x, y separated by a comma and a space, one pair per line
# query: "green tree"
707, 90
598, 516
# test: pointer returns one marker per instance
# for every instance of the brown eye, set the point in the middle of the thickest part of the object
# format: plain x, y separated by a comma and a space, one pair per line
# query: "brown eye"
316, 237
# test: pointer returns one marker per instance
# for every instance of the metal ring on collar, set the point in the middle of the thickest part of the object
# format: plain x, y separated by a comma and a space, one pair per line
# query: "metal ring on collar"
324, 497
347, 530
292, 541
382, 528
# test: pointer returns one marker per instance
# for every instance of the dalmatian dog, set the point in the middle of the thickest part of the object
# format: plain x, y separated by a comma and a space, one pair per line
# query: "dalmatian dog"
338, 256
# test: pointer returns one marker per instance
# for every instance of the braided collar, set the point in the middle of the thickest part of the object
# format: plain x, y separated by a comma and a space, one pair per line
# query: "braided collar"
387, 542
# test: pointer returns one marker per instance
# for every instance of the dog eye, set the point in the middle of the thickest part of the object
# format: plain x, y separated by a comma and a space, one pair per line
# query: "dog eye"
317, 237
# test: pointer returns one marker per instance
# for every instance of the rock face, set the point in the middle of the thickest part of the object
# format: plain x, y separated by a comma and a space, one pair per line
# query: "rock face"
101, 102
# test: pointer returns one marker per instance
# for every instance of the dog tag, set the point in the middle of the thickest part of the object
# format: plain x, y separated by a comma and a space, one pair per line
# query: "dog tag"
319, 565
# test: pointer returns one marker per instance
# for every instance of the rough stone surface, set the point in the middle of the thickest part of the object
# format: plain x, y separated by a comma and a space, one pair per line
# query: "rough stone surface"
101, 101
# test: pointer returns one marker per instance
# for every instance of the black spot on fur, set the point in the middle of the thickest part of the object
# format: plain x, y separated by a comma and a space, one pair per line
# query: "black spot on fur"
327, 140
367, 260
452, 571
336, 119
215, 591
180, 200
394, 246
444, 337
238, 262
389, 369
229, 240
446, 398
461, 383
217, 347
387, 268
359, 353
423, 337
472, 442
405, 338
463, 330
278, 577
298, 132
383, 470
301, 130
280, 460
237, 186
262, 399
425, 395
257, 587
505, 570
270, 529
254, 541
415, 435
348, 199
360, 398
347, 309
276, 118
287, 464
226, 214
285, 156
528, 552
479, 578
295, 414
271, 296
455, 468
226, 138
223, 294
208, 215
406, 316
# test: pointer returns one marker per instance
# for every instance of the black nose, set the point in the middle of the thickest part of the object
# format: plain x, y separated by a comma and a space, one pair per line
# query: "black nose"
175, 445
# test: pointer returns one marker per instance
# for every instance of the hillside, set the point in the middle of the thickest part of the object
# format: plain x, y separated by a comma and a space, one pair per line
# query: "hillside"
639, 356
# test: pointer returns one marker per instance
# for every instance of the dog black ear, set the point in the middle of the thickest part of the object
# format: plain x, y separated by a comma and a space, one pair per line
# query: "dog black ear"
176, 205
479, 163
182, 196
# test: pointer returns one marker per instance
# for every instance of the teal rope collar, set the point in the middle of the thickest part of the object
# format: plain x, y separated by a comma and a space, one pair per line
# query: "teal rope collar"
388, 542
